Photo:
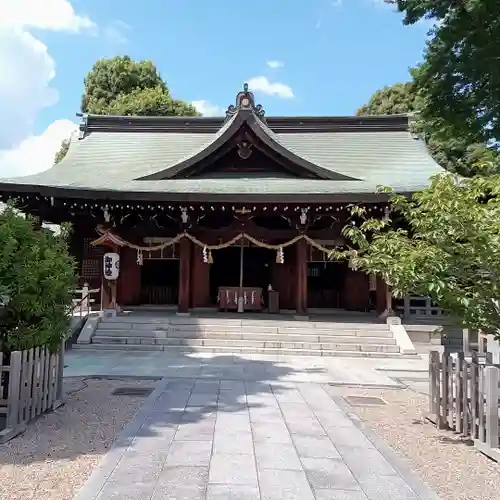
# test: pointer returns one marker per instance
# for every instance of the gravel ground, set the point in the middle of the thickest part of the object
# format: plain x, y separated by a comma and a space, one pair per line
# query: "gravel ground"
447, 463
57, 453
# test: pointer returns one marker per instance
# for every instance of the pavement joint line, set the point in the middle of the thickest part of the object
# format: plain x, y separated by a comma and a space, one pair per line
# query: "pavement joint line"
399, 386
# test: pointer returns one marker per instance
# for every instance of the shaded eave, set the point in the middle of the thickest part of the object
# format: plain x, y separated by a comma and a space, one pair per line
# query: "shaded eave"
245, 117
15, 190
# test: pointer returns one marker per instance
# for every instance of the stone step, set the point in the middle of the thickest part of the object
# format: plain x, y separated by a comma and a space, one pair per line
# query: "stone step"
186, 321
194, 330
238, 350
255, 344
266, 337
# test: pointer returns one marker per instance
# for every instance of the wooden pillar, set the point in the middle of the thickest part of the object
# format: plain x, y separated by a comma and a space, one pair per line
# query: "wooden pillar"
381, 297
301, 275
184, 275
200, 284
129, 282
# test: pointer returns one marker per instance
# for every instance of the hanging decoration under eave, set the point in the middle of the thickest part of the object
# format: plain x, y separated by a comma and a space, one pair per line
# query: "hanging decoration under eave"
108, 237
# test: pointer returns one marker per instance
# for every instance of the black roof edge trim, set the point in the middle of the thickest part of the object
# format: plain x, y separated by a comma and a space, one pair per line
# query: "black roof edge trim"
160, 197
281, 124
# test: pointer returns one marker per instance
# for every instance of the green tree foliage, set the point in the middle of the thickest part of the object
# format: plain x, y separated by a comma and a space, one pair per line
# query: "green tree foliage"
122, 86
460, 75
62, 151
448, 248
398, 99
38, 274
454, 153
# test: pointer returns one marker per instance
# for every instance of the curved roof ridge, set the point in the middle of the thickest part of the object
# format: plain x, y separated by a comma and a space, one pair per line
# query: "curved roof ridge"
262, 131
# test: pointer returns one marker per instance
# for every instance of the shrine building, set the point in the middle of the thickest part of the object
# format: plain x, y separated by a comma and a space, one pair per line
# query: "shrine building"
209, 212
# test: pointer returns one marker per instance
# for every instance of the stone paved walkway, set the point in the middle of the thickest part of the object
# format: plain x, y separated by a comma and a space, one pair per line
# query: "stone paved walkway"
199, 439
341, 371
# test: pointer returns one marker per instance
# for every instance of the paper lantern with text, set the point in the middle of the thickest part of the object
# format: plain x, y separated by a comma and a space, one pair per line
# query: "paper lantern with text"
111, 266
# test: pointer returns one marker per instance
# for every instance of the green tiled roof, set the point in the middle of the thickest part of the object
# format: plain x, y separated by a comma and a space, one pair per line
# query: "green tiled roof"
116, 152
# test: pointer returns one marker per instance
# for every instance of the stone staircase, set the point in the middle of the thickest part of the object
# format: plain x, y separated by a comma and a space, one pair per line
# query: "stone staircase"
241, 336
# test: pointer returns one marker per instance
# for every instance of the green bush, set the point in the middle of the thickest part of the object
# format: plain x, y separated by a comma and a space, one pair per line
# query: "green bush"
38, 275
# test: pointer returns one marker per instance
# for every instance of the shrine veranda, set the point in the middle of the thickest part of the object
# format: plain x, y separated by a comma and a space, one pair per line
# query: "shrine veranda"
204, 211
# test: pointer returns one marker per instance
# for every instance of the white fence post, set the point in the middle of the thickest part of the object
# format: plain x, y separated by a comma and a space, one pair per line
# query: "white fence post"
85, 299
491, 393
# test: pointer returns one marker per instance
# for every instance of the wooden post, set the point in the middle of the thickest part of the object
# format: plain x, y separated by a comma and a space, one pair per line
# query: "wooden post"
184, 275
466, 341
459, 389
491, 391
406, 301
474, 394
450, 406
428, 306
465, 398
85, 305
444, 391
434, 385
301, 273
480, 403
13, 396
60, 375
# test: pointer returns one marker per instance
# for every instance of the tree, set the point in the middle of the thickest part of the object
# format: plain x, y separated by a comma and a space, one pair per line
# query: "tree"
460, 75
448, 248
454, 153
121, 86
37, 274
62, 151
398, 99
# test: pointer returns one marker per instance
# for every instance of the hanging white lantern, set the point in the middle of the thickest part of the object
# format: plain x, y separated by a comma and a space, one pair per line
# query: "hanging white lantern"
140, 258
280, 256
111, 265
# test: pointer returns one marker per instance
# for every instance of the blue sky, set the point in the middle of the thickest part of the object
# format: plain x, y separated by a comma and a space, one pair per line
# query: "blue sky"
332, 54
335, 54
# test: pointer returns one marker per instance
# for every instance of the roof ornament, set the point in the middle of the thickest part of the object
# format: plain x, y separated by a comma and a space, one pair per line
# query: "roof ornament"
245, 100
83, 127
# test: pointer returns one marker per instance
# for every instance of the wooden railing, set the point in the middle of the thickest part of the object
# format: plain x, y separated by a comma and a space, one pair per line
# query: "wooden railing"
420, 307
464, 397
82, 303
30, 384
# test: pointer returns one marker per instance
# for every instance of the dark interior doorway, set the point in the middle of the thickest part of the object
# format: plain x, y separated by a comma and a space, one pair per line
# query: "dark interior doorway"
160, 282
325, 284
225, 270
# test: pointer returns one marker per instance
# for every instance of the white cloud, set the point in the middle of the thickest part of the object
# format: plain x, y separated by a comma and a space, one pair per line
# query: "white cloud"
27, 71
36, 153
275, 64
24, 89
206, 108
262, 84
54, 15
115, 32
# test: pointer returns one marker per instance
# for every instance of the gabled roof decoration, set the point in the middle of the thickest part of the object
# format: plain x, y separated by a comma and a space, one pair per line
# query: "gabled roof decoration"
245, 100
245, 114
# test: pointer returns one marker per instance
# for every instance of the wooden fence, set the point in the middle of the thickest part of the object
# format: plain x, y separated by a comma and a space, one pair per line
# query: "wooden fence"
30, 385
464, 397
413, 307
